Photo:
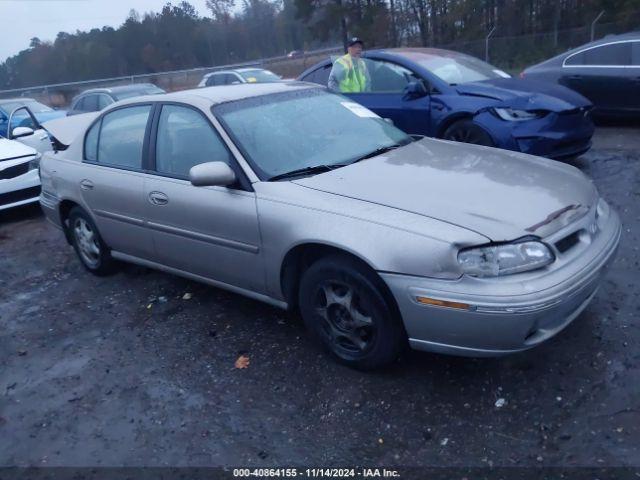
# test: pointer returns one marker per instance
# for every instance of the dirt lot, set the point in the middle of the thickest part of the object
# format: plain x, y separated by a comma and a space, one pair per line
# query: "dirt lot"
123, 371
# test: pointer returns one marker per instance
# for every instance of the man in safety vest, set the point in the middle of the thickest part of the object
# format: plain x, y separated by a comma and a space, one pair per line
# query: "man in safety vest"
349, 73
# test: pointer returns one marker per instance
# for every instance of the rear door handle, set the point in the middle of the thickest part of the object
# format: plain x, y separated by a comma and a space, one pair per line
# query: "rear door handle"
86, 185
158, 198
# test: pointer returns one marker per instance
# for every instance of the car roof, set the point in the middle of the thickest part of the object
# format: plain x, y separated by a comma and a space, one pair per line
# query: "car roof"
17, 99
558, 59
224, 93
608, 39
235, 70
118, 88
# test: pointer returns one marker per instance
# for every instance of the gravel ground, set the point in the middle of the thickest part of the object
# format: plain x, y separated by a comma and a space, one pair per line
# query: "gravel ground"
124, 371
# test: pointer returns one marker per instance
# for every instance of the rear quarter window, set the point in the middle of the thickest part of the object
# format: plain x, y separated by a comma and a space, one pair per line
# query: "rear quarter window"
319, 75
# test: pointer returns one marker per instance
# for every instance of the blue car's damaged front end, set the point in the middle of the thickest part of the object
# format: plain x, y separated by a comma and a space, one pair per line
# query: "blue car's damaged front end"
532, 117
462, 98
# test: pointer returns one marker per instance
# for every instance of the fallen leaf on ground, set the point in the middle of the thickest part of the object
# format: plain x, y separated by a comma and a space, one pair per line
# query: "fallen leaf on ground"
187, 296
242, 362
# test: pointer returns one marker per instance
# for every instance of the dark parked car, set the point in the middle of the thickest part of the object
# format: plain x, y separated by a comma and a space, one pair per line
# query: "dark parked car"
444, 94
96, 99
607, 72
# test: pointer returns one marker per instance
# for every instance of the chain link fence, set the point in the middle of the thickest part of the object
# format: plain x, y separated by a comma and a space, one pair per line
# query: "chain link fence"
511, 53
59, 95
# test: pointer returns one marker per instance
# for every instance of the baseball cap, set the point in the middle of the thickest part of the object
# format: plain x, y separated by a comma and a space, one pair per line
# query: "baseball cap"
353, 41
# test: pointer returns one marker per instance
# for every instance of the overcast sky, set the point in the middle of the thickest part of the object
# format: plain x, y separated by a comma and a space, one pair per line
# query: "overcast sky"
21, 20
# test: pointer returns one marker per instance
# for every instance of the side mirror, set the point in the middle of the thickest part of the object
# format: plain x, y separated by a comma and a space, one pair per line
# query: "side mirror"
212, 174
415, 89
20, 132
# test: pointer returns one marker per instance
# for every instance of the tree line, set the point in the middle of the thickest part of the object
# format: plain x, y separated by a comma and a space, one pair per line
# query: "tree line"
178, 38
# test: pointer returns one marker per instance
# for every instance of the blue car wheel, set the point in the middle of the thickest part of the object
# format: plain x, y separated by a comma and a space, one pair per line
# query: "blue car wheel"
468, 132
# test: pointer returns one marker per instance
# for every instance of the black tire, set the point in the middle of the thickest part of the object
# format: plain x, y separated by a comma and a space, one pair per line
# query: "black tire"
91, 250
364, 333
468, 132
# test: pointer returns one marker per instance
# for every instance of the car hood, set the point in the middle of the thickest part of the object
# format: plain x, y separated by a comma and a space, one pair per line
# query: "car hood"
499, 194
10, 150
526, 94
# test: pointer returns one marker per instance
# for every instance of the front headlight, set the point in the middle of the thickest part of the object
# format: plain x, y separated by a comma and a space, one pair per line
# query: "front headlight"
497, 260
35, 162
512, 115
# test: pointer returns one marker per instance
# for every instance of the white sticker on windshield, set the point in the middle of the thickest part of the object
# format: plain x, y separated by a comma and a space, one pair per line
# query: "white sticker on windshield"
359, 110
501, 73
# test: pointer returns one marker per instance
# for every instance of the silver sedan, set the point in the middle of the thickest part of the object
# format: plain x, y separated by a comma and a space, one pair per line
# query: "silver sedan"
300, 198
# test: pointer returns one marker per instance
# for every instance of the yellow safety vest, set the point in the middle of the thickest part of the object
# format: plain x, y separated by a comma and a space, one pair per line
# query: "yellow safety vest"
355, 80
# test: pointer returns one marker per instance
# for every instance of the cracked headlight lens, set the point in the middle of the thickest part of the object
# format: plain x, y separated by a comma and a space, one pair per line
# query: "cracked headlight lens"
497, 260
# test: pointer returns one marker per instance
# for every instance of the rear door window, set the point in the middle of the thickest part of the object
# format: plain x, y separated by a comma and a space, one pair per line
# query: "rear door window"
213, 80
614, 54
319, 76
121, 137
230, 79
91, 103
104, 101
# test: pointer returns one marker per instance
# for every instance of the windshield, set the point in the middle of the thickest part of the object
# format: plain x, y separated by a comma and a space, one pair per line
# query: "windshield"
259, 76
35, 107
458, 68
288, 131
138, 92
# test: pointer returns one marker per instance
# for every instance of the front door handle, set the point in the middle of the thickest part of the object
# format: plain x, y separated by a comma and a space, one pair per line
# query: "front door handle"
158, 198
86, 185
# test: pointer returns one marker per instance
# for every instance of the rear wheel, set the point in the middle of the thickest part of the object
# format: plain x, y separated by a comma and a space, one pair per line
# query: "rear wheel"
468, 132
91, 250
343, 304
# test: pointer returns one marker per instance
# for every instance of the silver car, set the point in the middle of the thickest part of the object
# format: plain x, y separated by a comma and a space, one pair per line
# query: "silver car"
298, 197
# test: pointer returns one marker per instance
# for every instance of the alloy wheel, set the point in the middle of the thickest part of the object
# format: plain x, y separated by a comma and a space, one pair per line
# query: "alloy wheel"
87, 242
346, 323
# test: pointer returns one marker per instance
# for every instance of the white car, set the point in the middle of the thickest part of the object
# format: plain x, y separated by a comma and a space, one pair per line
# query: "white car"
237, 76
19, 178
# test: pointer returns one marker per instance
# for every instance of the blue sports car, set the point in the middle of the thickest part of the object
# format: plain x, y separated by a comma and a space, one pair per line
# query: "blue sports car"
444, 94
41, 112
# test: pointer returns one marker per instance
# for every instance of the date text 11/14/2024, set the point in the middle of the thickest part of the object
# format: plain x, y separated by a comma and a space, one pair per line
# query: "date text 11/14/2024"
316, 472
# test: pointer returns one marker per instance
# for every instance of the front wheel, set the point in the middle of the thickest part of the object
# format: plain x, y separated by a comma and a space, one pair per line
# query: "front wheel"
344, 306
468, 132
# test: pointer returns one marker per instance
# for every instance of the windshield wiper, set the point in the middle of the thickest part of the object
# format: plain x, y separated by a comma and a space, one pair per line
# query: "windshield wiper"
327, 168
305, 171
378, 151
